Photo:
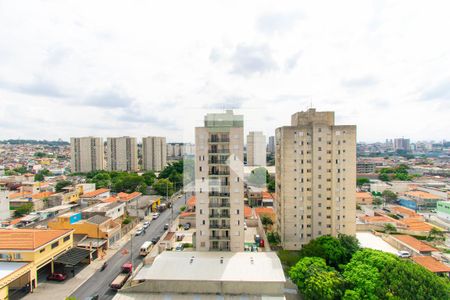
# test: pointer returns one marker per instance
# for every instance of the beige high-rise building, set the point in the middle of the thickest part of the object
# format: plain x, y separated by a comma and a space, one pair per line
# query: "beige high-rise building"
315, 178
256, 149
121, 154
87, 154
154, 153
219, 185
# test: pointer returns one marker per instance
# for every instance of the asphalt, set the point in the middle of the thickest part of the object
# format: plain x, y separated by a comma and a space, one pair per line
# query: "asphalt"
99, 282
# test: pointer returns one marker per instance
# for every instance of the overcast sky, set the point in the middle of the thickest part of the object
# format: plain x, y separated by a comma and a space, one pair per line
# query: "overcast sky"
139, 68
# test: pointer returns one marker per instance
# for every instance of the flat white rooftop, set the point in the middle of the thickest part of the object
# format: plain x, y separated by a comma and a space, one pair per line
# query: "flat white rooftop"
171, 296
7, 268
371, 241
214, 266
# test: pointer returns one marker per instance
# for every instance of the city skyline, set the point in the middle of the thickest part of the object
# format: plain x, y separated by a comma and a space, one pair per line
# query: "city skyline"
75, 72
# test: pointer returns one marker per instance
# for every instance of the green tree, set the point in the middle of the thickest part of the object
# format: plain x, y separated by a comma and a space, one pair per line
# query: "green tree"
163, 186
266, 221
39, 177
435, 234
316, 280
328, 248
389, 196
149, 177
361, 181
128, 183
389, 228
271, 185
373, 274
62, 184
23, 210
21, 170
384, 177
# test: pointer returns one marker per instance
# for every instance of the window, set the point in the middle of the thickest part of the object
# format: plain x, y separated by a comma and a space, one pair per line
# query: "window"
237, 211
17, 256
203, 222
55, 244
66, 238
42, 250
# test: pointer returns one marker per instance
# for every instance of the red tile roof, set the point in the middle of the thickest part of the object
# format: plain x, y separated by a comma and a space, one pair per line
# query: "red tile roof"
95, 193
42, 195
28, 239
124, 197
247, 212
414, 243
109, 199
431, 264
191, 201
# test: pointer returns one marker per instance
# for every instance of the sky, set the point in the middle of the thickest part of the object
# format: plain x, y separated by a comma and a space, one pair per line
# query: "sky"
146, 68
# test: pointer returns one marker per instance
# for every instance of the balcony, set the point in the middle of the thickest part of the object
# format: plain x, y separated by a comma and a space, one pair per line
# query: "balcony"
222, 193
218, 173
219, 140
218, 161
219, 226
219, 151
219, 249
219, 204
218, 216
219, 238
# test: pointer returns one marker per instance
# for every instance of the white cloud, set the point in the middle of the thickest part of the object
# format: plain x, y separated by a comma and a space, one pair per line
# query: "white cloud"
108, 68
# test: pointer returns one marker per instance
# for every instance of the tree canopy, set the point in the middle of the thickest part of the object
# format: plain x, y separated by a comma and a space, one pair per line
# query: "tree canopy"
62, 184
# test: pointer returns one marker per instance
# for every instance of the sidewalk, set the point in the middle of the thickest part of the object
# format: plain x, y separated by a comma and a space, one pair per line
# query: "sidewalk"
61, 290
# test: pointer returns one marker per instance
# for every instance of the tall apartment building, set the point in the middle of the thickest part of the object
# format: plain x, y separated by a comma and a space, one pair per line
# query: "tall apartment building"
315, 178
271, 144
219, 185
154, 153
87, 154
401, 144
121, 154
256, 149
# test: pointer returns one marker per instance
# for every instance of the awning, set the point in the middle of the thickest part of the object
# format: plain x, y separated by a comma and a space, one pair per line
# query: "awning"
73, 257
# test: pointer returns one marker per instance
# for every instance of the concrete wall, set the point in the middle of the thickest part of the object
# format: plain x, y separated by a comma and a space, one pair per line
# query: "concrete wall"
209, 287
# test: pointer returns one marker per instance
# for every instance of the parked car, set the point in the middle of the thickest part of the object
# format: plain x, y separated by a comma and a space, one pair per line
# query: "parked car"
146, 224
155, 216
403, 254
57, 276
95, 297
155, 239
139, 231
166, 226
179, 247
187, 226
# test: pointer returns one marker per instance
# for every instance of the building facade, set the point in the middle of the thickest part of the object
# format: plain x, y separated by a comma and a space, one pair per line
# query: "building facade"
87, 154
154, 153
315, 178
256, 149
401, 144
271, 144
219, 185
121, 154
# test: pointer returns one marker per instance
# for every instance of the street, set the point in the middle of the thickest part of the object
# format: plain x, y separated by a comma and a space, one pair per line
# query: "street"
98, 284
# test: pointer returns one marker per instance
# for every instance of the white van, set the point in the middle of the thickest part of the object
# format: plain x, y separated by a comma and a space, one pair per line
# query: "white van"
145, 248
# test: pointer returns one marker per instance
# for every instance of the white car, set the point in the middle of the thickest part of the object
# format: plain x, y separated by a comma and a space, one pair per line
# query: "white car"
155, 216
403, 254
146, 224
139, 231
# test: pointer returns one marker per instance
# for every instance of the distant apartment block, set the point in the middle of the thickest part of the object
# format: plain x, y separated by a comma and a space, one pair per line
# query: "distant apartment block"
271, 144
256, 149
315, 178
401, 144
219, 185
87, 154
121, 154
179, 150
364, 167
154, 153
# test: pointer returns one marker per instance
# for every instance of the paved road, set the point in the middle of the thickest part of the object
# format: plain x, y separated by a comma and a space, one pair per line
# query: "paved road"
98, 284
